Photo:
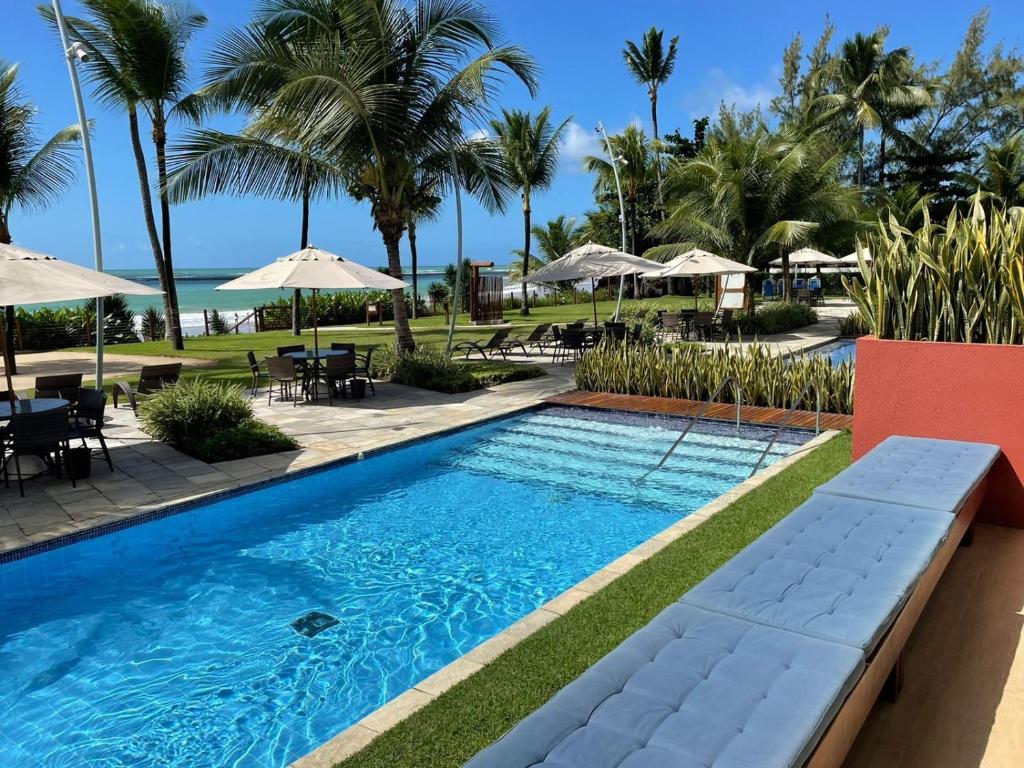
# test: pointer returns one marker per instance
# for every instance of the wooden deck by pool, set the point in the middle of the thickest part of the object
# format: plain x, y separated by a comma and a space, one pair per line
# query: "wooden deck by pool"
672, 407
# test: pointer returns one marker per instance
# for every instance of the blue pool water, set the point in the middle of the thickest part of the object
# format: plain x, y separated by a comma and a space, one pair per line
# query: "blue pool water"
839, 352
171, 643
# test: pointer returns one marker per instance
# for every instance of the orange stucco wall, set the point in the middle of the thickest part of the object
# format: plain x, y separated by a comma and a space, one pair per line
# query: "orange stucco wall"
953, 391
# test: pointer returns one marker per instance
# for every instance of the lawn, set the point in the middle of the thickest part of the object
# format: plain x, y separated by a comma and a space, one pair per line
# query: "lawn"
480, 709
228, 351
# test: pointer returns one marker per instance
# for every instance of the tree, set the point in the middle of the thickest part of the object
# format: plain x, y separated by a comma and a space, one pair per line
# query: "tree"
33, 173
382, 90
679, 146
651, 66
753, 195
424, 205
1002, 171
870, 84
554, 240
529, 147
138, 61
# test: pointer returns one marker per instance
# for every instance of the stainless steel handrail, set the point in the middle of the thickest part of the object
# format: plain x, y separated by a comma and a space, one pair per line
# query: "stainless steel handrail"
738, 396
789, 415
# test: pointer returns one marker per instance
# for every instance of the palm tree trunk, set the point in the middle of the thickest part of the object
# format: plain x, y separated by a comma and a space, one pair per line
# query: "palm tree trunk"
160, 139
391, 223
9, 319
147, 212
860, 158
525, 309
413, 255
881, 163
657, 151
297, 295
785, 276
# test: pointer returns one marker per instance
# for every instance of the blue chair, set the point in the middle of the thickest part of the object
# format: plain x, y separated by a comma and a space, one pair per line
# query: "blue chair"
799, 284
768, 290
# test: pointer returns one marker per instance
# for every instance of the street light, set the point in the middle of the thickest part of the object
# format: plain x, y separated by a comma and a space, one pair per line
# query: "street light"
616, 160
78, 52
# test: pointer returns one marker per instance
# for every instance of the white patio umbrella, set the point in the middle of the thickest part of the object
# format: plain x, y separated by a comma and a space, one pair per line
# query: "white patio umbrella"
591, 261
696, 263
808, 257
29, 277
315, 270
851, 258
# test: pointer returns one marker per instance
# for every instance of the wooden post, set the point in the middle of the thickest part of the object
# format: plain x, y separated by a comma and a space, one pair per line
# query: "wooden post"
236, 323
206, 324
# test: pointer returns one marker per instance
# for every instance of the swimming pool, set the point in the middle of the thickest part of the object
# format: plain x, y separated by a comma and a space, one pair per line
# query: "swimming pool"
838, 352
171, 643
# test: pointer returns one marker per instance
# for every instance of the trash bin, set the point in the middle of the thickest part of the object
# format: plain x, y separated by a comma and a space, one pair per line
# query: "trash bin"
358, 388
79, 462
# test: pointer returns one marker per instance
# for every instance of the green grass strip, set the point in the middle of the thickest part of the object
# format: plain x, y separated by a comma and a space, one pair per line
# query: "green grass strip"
474, 713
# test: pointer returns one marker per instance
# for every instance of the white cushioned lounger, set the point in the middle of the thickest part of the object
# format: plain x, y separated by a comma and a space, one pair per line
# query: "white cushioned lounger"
917, 472
692, 689
836, 568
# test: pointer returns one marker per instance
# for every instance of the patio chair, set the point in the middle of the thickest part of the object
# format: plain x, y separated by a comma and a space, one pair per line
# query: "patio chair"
152, 378
62, 385
576, 341
257, 372
556, 342
492, 345
363, 366
343, 346
43, 434
803, 295
88, 420
615, 331
337, 370
281, 351
721, 327
283, 372
703, 325
768, 290
670, 325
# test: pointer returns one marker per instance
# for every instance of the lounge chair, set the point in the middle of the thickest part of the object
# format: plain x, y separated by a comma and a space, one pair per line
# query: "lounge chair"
152, 378
537, 339
778, 656
494, 345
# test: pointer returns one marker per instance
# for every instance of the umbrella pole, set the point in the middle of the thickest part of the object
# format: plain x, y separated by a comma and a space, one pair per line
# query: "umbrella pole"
316, 335
7, 358
618, 303
593, 299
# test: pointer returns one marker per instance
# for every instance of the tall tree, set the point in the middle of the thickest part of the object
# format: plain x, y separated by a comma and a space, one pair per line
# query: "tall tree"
424, 205
138, 61
382, 89
869, 83
33, 173
652, 65
1002, 171
752, 195
529, 145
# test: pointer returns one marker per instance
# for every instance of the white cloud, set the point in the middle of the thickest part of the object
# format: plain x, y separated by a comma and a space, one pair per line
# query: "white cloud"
577, 142
719, 88
477, 134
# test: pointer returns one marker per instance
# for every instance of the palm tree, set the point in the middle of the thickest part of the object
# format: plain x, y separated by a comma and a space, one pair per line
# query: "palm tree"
381, 88
529, 145
138, 61
904, 205
754, 195
554, 240
425, 205
1002, 171
651, 65
872, 85
263, 160
33, 175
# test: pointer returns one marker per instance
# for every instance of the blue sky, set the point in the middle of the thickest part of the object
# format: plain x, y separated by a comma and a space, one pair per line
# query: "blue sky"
728, 51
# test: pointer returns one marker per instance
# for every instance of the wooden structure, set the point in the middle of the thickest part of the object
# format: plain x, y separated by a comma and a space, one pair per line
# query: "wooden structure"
375, 311
485, 295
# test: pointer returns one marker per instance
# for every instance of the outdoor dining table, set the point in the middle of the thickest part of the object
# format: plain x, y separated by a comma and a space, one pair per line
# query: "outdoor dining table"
36, 405
310, 356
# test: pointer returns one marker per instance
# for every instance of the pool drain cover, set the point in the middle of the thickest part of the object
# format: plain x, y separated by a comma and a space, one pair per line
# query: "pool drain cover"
313, 623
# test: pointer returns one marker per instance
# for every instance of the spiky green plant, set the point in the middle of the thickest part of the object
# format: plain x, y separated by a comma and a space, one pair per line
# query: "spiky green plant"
963, 282
694, 372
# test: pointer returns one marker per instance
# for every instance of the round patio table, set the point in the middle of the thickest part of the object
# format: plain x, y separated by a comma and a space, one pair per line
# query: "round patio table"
37, 405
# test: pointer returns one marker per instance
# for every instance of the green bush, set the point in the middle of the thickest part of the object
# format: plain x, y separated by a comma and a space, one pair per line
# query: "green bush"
430, 368
249, 438
44, 328
694, 372
777, 317
854, 324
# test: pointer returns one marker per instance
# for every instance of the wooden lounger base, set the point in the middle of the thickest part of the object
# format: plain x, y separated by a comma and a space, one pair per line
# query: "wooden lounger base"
884, 671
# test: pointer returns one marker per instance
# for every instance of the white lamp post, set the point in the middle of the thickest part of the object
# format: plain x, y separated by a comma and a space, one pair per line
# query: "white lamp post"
458, 252
622, 207
73, 53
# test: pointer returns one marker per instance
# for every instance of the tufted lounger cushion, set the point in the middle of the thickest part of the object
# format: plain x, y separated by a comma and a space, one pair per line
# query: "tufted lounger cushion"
692, 689
917, 472
836, 568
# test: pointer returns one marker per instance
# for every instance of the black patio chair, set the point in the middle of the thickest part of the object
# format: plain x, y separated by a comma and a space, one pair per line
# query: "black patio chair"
88, 420
62, 385
536, 338
281, 351
343, 346
494, 345
41, 433
670, 325
576, 341
364, 365
152, 378
703, 325
283, 372
257, 371
336, 372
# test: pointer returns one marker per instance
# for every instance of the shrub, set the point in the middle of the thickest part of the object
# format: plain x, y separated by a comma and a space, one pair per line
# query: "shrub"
248, 438
637, 314
431, 368
45, 328
211, 421
854, 324
777, 317
694, 372
961, 282
152, 324
218, 325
